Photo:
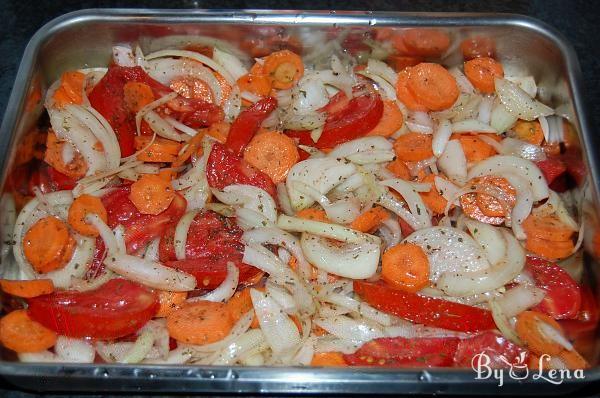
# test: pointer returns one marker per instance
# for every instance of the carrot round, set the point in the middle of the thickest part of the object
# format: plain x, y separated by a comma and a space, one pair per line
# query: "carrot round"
239, 304
478, 46
137, 95
273, 153
328, 359
200, 322
404, 94
412, 147
401, 62
489, 205
468, 203
390, 122
573, 360
80, 208
161, 150
48, 245
548, 249
151, 194
405, 267
530, 132
219, 131
192, 87
313, 214
475, 149
75, 169
70, 90
528, 329
258, 84
433, 199
481, 73
20, 333
169, 302
399, 168
370, 219
27, 289
547, 227
284, 68
432, 86
426, 42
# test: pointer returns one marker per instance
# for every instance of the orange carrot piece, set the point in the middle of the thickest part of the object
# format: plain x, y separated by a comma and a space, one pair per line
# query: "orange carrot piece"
200, 322
547, 227
192, 87
481, 73
75, 169
401, 62
475, 149
20, 333
530, 132
548, 249
528, 329
432, 86
573, 360
313, 214
169, 302
219, 131
426, 42
161, 150
273, 153
27, 289
370, 219
478, 46
70, 90
80, 208
137, 95
489, 205
239, 304
399, 168
151, 194
258, 84
405, 267
48, 245
390, 122
433, 199
468, 203
328, 359
284, 68
412, 147
404, 94
194, 145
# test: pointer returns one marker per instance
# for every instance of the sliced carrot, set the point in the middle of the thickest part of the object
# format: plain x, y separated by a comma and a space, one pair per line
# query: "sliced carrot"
482, 71
475, 149
405, 267
528, 329
161, 150
547, 227
169, 302
468, 203
489, 205
530, 132
573, 360
219, 131
80, 208
391, 120
273, 153
328, 359
412, 147
70, 90
433, 199
401, 62
27, 289
226, 88
200, 49
313, 214
370, 219
75, 169
404, 94
193, 146
151, 194
426, 42
478, 46
399, 168
200, 322
192, 87
20, 333
432, 86
284, 68
258, 84
549, 249
239, 304
167, 174
137, 95
48, 245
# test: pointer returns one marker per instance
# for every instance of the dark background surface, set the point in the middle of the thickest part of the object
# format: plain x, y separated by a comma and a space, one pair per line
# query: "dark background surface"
576, 19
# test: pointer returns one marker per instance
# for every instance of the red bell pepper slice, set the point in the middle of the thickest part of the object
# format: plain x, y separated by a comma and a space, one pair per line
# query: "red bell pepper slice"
247, 124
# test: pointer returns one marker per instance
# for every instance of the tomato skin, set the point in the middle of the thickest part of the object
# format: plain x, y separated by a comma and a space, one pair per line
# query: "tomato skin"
116, 309
501, 352
551, 168
405, 352
195, 113
247, 124
563, 295
587, 317
425, 310
225, 168
211, 271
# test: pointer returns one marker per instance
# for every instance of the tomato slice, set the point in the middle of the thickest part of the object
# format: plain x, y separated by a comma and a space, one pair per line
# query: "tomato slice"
563, 295
425, 310
501, 352
247, 124
140, 228
115, 309
587, 317
405, 352
210, 271
195, 113
551, 168
225, 168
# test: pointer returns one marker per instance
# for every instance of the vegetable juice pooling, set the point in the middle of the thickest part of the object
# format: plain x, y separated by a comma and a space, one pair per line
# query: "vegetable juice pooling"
389, 212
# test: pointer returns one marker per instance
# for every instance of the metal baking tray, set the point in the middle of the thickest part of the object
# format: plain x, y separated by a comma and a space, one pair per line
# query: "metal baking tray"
84, 38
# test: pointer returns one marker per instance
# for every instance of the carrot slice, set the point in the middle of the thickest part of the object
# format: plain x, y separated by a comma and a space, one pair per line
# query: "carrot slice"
468, 203
481, 73
239, 304
489, 205
432, 86
328, 359
27, 289
219, 131
475, 149
549, 249
528, 329
20, 333
273, 153
70, 90
151, 194
169, 302
399, 168
426, 42
48, 245
433, 199
161, 150
405, 267
401, 62
547, 227
80, 208
573, 360
200, 322
370, 219
478, 46
390, 122
530, 132
313, 214
412, 147
75, 169
284, 68
404, 94
137, 95
194, 145
192, 87
258, 84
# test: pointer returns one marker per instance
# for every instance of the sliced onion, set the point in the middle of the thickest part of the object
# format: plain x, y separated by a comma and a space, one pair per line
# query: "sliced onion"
525, 150
518, 102
162, 128
489, 238
387, 90
152, 250
545, 127
350, 329
361, 308
74, 350
523, 204
464, 84
197, 57
503, 323
181, 127
484, 115
413, 200
441, 135
249, 197
302, 121
236, 349
181, 233
123, 56
194, 176
520, 298
420, 122
390, 202
469, 125
283, 298
226, 289
284, 199
230, 62
233, 105
382, 69
390, 232
308, 97
362, 145
329, 77
526, 83
453, 162
446, 188
326, 230
554, 335
501, 119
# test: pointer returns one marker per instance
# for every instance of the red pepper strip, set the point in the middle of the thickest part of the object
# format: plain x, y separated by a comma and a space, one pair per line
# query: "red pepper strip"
428, 311
247, 124
551, 168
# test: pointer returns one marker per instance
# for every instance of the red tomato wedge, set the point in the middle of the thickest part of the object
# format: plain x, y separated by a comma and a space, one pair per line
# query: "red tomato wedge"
116, 309
500, 352
211, 271
563, 295
195, 113
225, 168
48, 179
551, 168
405, 352
425, 310
247, 124
587, 317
